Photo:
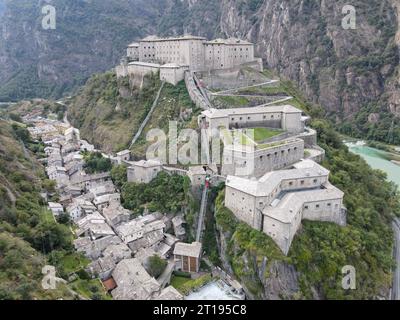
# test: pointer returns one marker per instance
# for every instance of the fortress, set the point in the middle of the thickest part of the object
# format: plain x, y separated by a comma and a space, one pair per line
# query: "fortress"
175, 55
278, 202
270, 157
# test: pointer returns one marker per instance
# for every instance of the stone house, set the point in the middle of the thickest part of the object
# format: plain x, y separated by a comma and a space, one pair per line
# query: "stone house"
187, 257
144, 171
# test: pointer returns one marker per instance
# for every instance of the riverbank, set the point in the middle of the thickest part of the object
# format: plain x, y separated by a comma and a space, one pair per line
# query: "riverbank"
377, 159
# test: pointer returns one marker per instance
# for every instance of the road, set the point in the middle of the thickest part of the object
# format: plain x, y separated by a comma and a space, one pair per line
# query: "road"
396, 275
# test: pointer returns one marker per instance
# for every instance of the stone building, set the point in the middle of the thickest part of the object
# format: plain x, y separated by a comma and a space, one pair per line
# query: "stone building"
255, 161
144, 171
276, 203
172, 73
285, 117
227, 53
187, 256
132, 52
175, 55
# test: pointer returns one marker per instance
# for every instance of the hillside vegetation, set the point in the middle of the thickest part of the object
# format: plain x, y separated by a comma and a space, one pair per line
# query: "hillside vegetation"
28, 233
30, 238
109, 111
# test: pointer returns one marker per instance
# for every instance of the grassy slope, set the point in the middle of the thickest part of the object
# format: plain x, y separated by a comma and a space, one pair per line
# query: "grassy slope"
21, 223
29, 236
94, 112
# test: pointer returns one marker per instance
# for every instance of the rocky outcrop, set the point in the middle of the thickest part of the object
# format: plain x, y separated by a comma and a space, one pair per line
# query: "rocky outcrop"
263, 278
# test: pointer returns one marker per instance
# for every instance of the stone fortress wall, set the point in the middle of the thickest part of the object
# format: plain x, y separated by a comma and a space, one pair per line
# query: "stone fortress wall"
174, 56
269, 185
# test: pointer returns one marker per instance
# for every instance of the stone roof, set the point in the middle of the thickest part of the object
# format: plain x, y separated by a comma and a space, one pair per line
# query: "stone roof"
144, 64
172, 66
55, 206
104, 264
268, 183
169, 293
118, 252
188, 250
133, 281
229, 41
113, 211
154, 38
90, 177
146, 163
222, 113
102, 190
292, 202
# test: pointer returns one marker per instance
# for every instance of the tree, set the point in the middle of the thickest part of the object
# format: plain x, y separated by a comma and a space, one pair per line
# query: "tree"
119, 175
156, 266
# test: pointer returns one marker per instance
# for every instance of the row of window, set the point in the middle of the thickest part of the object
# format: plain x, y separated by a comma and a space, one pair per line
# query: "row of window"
317, 206
264, 117
276, 154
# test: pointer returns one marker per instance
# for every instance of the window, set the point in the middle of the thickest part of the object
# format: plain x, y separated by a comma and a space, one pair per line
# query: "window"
302, 182
290, 183
248, 118
317, 206
315, 181
329, 204
306, 207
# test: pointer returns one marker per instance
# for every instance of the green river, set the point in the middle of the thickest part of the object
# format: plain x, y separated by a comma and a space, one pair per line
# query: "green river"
377, 159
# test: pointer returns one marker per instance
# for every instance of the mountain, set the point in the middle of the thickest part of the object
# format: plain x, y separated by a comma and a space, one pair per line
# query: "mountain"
351, 73
90, 36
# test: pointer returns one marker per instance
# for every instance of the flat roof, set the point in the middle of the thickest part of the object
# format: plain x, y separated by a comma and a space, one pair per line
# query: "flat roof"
146, 163
266, 184
144, 64
222, 113
185, 37
292, 202
230, 41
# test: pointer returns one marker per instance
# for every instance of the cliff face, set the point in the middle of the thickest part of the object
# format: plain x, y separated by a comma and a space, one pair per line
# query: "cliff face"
90, 36
304, 41
345, 71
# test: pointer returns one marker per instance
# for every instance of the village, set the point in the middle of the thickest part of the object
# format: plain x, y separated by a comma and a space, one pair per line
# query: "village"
118, 245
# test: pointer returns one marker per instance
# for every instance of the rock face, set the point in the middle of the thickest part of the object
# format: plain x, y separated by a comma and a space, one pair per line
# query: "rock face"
342, 70
283, 282
90, 37
262, 279
304, 40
